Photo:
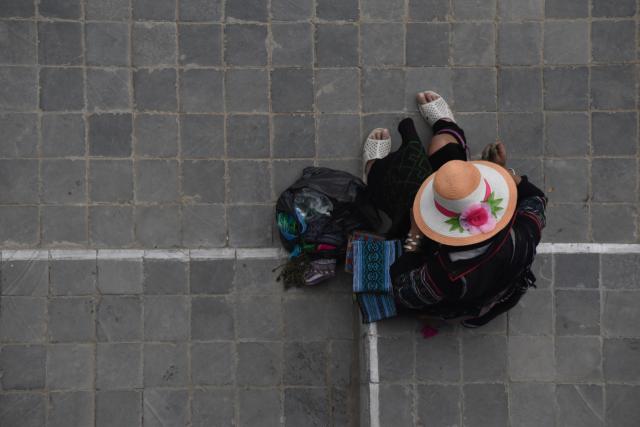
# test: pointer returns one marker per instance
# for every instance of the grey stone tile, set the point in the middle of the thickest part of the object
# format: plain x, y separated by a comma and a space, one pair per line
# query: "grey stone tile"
19, 181
567, 180
155, 89
340, 362
118, 408
27, 278
23, 367
620, 271
337, 90
522, 132
64, 224
283, 10
474, 89
19, 311
201, 91
166, 318
250, 226
17, 9
521, 9
428, 10
59, 43
352, 166
339, 136
437, 79
211, 276
531, 404
204, 226
18, 88
111, 226
578, 359
153, 44
165, 407
485, 405
380, 90
75, 407
165, 365
203, 181
531, 358
484, 358
382, 10
473, 43
566, 88
620, 314
156, 180
108, 89
620, 360
119, 318
286, 172
107, 10
259, 406
577, 312
200, 10
63, 181
153, 10
613, 223
576, 271
247, 90
21, 138
613, 41
441, 362
439, 404
165, 277
61, 89
292, 44
473, 9
337, 10
110, 135
248, 136
201, 135
291, 90
23, 409
566, 9
111, 180
213, 363
567, 223
305, 363
566, 134
70, 366
610, 87
207, 311
604, 8
395, 359
294, 136
119, 276
304, 318
71, 319
566, 42
519, 43
259, 363
613, 180
520, 89
382, 44
18, 45
259, 317
236, 10
622, 405
532, 315
306, 406
336, 45
207, 405
107, 44
200, 44
614, 133
434, 35
156, 135
119, 366
73, 277
245, 44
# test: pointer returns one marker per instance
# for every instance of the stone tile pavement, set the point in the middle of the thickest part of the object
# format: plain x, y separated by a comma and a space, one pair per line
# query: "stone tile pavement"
176, 123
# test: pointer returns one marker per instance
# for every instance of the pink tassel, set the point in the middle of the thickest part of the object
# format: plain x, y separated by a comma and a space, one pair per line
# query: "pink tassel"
428, 332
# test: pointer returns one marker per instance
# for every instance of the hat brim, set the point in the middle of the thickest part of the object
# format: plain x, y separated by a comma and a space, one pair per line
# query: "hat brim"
433, 223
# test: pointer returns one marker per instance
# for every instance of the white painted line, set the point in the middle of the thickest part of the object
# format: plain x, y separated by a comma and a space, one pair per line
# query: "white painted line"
176, 254
120, 254
374, 374
260, 253
25, 255
588, 248
220, 253
75, 254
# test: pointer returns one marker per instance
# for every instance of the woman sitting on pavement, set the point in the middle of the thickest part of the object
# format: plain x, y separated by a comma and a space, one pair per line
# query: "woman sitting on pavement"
470, 227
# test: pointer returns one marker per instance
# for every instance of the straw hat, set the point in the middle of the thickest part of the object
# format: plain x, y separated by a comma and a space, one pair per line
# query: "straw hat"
464, 203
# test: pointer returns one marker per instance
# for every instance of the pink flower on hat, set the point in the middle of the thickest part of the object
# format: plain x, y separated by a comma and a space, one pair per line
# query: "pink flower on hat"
477, 218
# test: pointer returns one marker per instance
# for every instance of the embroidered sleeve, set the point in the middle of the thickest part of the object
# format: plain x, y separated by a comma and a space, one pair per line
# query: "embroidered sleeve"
532, 204
415, 288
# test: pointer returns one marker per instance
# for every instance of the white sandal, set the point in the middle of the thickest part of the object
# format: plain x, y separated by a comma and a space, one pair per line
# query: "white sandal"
435, 110
375, 148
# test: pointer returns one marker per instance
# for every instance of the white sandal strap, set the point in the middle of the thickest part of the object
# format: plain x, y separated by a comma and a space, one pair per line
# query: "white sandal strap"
376, 148
436, 110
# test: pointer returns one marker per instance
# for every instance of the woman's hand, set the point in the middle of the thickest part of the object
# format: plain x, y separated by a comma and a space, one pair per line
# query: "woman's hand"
414, 230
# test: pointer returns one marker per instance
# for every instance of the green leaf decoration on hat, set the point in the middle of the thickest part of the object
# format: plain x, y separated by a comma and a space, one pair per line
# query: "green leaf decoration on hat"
494, 204
455, 224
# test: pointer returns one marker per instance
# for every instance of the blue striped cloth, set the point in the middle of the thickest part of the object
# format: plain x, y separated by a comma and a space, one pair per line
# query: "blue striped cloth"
372, 260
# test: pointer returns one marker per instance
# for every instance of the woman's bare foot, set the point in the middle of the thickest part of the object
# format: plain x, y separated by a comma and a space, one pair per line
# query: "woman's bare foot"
425, 97
378, 134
